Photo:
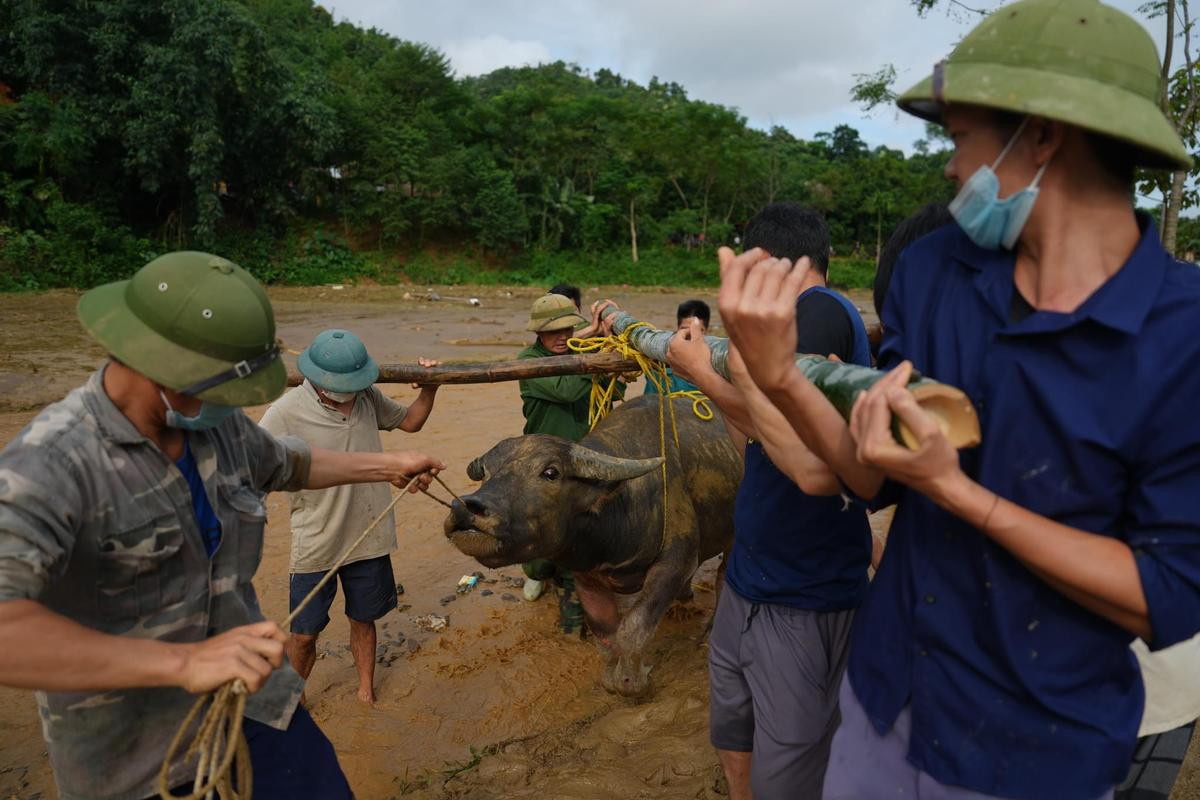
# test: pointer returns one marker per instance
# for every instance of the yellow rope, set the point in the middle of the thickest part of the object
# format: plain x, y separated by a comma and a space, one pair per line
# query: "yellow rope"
701, 406
219, 741
603, 389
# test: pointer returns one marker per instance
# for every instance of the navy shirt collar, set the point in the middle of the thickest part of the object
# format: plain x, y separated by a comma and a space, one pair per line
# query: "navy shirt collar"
1121, 303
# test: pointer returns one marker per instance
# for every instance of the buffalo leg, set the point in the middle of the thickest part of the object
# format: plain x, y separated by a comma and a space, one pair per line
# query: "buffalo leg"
717, 588
664, 580
601, 613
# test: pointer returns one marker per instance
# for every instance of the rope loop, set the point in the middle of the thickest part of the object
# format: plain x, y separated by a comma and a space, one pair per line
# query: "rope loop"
600, 402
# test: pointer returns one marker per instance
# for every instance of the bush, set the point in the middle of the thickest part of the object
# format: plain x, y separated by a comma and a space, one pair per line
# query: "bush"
79, 247
665, 266
317, 258
852, 273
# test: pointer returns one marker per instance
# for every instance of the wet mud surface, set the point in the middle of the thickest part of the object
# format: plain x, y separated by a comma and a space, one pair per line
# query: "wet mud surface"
497, 704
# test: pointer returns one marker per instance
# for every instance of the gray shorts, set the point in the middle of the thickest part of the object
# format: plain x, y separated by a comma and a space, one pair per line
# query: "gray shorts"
864, 764
774, 673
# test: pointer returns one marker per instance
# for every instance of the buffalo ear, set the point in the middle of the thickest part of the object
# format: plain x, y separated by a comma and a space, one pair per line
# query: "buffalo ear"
588, 464
475, 470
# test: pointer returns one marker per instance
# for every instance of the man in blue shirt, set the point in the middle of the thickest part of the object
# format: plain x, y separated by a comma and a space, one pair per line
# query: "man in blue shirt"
798, 568
991, 658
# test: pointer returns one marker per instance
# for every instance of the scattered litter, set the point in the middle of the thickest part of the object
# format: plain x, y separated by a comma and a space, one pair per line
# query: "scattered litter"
408, 296
431, 622
509, 598
448, 599
474, 301
399, 588
516, 583
337, 287
403, 607
466, 583
486, 592
433, 295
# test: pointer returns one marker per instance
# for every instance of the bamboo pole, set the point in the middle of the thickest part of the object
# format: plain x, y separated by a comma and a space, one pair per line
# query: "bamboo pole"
840, 383
497, 371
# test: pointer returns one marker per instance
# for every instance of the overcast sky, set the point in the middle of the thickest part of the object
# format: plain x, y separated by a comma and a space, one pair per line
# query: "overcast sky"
779, 62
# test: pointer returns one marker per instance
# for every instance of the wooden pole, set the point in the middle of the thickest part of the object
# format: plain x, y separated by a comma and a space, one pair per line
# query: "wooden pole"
497, 371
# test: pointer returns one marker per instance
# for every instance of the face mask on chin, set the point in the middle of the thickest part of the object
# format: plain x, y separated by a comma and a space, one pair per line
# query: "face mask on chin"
989, 221
209, 416
339, 397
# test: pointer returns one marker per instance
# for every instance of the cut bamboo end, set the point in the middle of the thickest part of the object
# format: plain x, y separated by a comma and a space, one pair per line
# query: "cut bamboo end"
951, 409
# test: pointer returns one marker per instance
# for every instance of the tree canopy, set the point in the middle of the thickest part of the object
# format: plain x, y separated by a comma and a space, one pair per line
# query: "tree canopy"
128, 128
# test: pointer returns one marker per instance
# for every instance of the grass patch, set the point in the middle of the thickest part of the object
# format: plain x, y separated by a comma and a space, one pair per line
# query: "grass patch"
658, 267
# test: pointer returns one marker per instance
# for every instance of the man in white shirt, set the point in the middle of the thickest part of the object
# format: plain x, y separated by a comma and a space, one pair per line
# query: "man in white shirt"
338, 408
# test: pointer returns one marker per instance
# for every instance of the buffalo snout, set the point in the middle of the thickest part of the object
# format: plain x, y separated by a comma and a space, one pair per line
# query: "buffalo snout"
466, 513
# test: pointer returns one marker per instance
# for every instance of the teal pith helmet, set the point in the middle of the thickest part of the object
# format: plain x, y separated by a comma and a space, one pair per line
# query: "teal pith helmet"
192, 322
337, 360
1076, 61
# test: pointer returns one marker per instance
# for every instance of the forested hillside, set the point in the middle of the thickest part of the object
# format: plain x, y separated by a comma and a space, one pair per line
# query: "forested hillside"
311, 150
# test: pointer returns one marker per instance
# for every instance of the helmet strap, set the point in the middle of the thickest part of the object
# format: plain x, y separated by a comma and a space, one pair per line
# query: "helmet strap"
239, 370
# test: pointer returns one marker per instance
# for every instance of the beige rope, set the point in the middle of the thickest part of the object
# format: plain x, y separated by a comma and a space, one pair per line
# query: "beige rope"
426, 492
219, 742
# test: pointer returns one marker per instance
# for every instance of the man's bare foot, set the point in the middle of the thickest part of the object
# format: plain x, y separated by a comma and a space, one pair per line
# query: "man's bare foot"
367, 695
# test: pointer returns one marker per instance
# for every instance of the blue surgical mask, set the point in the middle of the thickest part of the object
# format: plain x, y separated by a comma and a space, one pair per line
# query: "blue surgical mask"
210, 415
989, 221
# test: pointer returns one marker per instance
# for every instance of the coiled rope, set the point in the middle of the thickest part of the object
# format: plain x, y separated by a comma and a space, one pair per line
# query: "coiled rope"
220, 741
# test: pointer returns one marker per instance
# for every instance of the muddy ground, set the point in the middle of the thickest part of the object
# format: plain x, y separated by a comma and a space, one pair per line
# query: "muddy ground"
496, 705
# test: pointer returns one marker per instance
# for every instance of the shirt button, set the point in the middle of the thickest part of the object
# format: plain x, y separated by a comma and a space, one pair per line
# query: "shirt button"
930, 599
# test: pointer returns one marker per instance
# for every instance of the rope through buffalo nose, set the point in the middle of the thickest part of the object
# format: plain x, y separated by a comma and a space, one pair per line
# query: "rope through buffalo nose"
425, 492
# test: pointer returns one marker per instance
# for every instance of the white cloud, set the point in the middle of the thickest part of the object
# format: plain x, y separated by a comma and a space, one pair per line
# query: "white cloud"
480, 55
785, 62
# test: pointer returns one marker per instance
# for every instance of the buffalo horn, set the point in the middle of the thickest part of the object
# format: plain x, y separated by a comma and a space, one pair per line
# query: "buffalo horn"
591, 465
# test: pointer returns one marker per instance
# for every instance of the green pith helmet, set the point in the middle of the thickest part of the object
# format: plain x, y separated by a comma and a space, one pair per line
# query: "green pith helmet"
553, 312
337, 360
193, 322
1076, 61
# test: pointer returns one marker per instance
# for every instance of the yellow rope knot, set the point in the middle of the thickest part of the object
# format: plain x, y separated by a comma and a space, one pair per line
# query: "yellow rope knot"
603, 389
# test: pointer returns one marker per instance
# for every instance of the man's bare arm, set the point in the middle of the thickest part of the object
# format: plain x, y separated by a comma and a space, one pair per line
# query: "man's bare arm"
333, 468
40, 649
785, 449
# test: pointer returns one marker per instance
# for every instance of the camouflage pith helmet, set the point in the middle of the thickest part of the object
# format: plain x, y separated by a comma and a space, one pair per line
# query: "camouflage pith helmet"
1076, 61
337, 360
553, 312
193, 322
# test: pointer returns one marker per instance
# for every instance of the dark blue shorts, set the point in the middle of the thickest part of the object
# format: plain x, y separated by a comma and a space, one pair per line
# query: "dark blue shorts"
298, 762
369, 587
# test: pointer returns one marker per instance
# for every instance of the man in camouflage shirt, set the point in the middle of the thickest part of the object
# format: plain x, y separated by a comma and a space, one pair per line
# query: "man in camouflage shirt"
131, 525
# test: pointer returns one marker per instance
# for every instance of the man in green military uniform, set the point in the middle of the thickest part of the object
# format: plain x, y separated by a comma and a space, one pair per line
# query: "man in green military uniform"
557, 406
131, 525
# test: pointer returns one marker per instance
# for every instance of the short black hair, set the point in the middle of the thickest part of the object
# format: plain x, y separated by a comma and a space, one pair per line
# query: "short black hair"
693, 308
568, 291
927, 220
791, 231
1116, 159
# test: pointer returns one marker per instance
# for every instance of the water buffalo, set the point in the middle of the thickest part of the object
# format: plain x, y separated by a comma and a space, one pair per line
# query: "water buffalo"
596, 508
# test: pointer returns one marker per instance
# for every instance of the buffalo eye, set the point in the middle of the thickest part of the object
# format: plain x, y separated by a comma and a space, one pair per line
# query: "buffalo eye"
550, 473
